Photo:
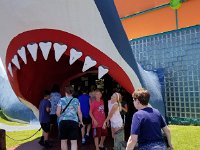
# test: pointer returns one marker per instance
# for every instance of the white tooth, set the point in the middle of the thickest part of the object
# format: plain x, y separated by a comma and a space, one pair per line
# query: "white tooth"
89, 62
10, 69
32, 48
45, 48
74, 55
102, 71
22, 54
15, 61
59, 50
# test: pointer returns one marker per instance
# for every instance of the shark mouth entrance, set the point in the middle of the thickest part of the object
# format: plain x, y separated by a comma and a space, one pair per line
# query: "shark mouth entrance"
39, 58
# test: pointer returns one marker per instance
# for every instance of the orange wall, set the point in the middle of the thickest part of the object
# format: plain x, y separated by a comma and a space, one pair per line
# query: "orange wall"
189, 13
128, 7
162, 20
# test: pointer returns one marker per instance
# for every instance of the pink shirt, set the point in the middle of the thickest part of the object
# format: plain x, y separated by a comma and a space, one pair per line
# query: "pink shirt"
97, 109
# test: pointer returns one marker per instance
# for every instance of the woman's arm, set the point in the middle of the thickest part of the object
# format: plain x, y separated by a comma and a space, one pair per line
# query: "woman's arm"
58, 111
80, 114
131, 142
125, 108
168, 134
113, 110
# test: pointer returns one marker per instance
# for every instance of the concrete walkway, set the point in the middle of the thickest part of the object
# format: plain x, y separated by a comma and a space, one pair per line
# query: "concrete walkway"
9, 128
33, 145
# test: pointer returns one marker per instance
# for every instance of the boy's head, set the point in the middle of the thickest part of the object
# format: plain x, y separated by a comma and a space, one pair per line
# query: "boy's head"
142, 95
98, 94
84, 90
46, 94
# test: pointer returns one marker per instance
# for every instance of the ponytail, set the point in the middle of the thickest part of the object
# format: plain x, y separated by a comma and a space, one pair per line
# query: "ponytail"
119, 97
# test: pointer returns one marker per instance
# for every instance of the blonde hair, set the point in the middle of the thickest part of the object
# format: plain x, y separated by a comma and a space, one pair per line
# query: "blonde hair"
119, 99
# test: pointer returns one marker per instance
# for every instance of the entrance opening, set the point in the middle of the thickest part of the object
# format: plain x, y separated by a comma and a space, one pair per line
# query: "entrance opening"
108, 86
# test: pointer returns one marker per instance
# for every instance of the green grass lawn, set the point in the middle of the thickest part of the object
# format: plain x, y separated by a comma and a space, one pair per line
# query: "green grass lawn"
17, 134
185, 137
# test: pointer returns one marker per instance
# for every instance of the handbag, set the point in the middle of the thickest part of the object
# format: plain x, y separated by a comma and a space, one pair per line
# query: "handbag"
67, 105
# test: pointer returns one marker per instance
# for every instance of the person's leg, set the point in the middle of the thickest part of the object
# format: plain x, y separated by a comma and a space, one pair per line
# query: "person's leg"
101, 144
96, 142
88, 129
119, 140
46, 135
74, 145
83, 132
41, 141
64, 145
83, 135
103, 137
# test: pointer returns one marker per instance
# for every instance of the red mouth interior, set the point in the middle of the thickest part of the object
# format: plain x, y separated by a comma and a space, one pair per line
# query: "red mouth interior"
36, 76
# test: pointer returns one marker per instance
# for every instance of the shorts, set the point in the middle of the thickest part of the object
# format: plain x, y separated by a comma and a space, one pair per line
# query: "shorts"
53, 119
87, 121
68, 129
45, 127
98, 132
153, 146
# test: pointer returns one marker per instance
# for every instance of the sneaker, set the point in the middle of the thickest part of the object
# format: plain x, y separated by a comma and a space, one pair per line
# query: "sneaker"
83, 141
41, 143
102, 148
86, 137
47, 145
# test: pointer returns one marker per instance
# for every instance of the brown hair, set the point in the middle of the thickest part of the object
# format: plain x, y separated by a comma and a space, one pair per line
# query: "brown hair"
69, 89
142, 95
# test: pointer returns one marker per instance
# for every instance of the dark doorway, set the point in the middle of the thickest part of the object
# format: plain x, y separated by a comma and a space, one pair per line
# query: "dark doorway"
108, 87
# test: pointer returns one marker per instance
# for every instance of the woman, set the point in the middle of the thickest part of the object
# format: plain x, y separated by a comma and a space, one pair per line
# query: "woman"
146, 125
68, 119
116, 121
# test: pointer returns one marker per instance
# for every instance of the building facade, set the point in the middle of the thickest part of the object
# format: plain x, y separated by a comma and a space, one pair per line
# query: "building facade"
178, 53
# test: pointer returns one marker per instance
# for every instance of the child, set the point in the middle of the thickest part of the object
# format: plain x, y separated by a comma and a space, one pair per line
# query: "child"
98, 117
116, 121
85, 109
44, 118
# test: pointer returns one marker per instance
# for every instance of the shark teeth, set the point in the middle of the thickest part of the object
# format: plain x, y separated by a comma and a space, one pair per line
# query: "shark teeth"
45, 48
10, 69
59, 50
15, 61
74, 55
32, 48
89, 62
102, 70
22, 54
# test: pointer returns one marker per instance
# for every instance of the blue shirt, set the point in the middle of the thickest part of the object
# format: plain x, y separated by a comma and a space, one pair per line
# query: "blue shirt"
54, 99
85, 106
71, 111
44, 116
147, 124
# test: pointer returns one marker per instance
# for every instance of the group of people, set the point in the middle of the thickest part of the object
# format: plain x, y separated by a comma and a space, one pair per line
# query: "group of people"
87, 112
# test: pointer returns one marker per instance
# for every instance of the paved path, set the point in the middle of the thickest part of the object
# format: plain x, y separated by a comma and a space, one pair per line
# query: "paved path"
9, 128
33, 145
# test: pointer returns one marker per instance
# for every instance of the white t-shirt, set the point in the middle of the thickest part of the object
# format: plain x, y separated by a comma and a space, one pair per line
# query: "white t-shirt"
116, 119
